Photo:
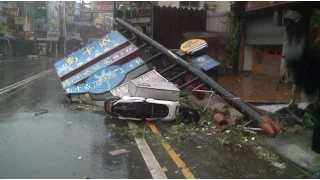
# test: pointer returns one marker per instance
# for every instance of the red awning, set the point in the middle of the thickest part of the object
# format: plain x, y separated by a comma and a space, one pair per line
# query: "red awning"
254, 5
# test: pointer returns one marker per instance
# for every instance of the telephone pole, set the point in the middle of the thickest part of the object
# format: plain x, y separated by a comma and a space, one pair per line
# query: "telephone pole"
62, 37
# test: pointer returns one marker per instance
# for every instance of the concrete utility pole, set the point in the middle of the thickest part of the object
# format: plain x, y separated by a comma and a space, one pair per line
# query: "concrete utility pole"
63, 24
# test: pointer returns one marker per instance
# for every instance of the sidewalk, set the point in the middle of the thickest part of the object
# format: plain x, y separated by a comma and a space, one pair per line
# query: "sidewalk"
251, 87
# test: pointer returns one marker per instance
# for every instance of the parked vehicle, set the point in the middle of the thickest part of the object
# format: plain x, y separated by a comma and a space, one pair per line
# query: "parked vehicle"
138, 109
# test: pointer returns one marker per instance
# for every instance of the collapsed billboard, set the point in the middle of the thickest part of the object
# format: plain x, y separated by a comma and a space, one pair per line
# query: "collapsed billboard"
100, 66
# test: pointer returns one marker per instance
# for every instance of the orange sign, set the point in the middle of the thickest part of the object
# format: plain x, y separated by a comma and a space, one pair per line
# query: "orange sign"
191, 44
253, 5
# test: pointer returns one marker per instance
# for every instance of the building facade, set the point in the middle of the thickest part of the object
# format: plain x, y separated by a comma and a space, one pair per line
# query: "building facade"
16, 28
47, 27
263, 38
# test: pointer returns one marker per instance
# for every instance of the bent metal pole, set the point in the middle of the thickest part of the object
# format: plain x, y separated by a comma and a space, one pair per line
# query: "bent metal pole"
235, 102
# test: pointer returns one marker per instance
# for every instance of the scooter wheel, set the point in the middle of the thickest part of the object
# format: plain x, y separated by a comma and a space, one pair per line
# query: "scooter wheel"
108, 103
188, 114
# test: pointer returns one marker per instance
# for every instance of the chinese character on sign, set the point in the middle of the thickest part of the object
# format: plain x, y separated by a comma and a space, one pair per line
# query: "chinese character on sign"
122, 71
96, 67
71, 60
88, 50
115, 57
138, 61
87, 86
131, 65
105, 41
87, 72
105, 78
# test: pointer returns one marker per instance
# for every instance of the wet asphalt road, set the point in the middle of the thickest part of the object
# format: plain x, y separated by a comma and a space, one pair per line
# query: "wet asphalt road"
48, 145
16, 69
43, 136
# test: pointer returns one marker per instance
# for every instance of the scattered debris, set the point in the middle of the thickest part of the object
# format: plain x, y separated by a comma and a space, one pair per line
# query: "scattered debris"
119, 151
222, 140
176, 172
40, 112
253, 138
110, 135
249, 131
79, 157
279, 165
164, 169
208, 134
227, 131
69, 122
219, 118
199, 147
295, 129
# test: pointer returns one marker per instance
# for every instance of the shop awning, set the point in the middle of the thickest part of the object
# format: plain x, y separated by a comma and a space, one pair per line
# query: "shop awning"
74, 38
47, 39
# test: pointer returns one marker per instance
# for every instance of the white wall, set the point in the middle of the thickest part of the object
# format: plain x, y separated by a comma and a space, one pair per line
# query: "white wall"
222, 6
169, 3
201, 6
177, 4
248, 54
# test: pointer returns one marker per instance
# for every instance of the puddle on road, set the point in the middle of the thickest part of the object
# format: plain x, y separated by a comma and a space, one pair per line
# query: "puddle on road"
256, 87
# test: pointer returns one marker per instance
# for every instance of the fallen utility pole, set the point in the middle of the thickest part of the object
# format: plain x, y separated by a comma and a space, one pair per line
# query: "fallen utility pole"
230, 98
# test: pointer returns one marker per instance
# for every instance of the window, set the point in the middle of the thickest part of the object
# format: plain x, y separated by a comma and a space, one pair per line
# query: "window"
274, 49
190, 4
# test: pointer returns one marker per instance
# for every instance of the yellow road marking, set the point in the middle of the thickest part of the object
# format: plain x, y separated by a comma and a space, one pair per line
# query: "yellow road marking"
174, 156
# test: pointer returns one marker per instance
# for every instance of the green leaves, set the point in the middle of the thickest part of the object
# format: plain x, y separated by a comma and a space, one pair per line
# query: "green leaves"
315, 18
293, 15
234, 38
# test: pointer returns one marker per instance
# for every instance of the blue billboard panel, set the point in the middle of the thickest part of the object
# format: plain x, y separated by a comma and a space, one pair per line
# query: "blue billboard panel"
88, 53
99, 65
106, 79
205, 63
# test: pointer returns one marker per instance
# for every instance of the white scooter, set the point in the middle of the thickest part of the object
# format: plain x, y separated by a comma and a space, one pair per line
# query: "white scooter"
138, 109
